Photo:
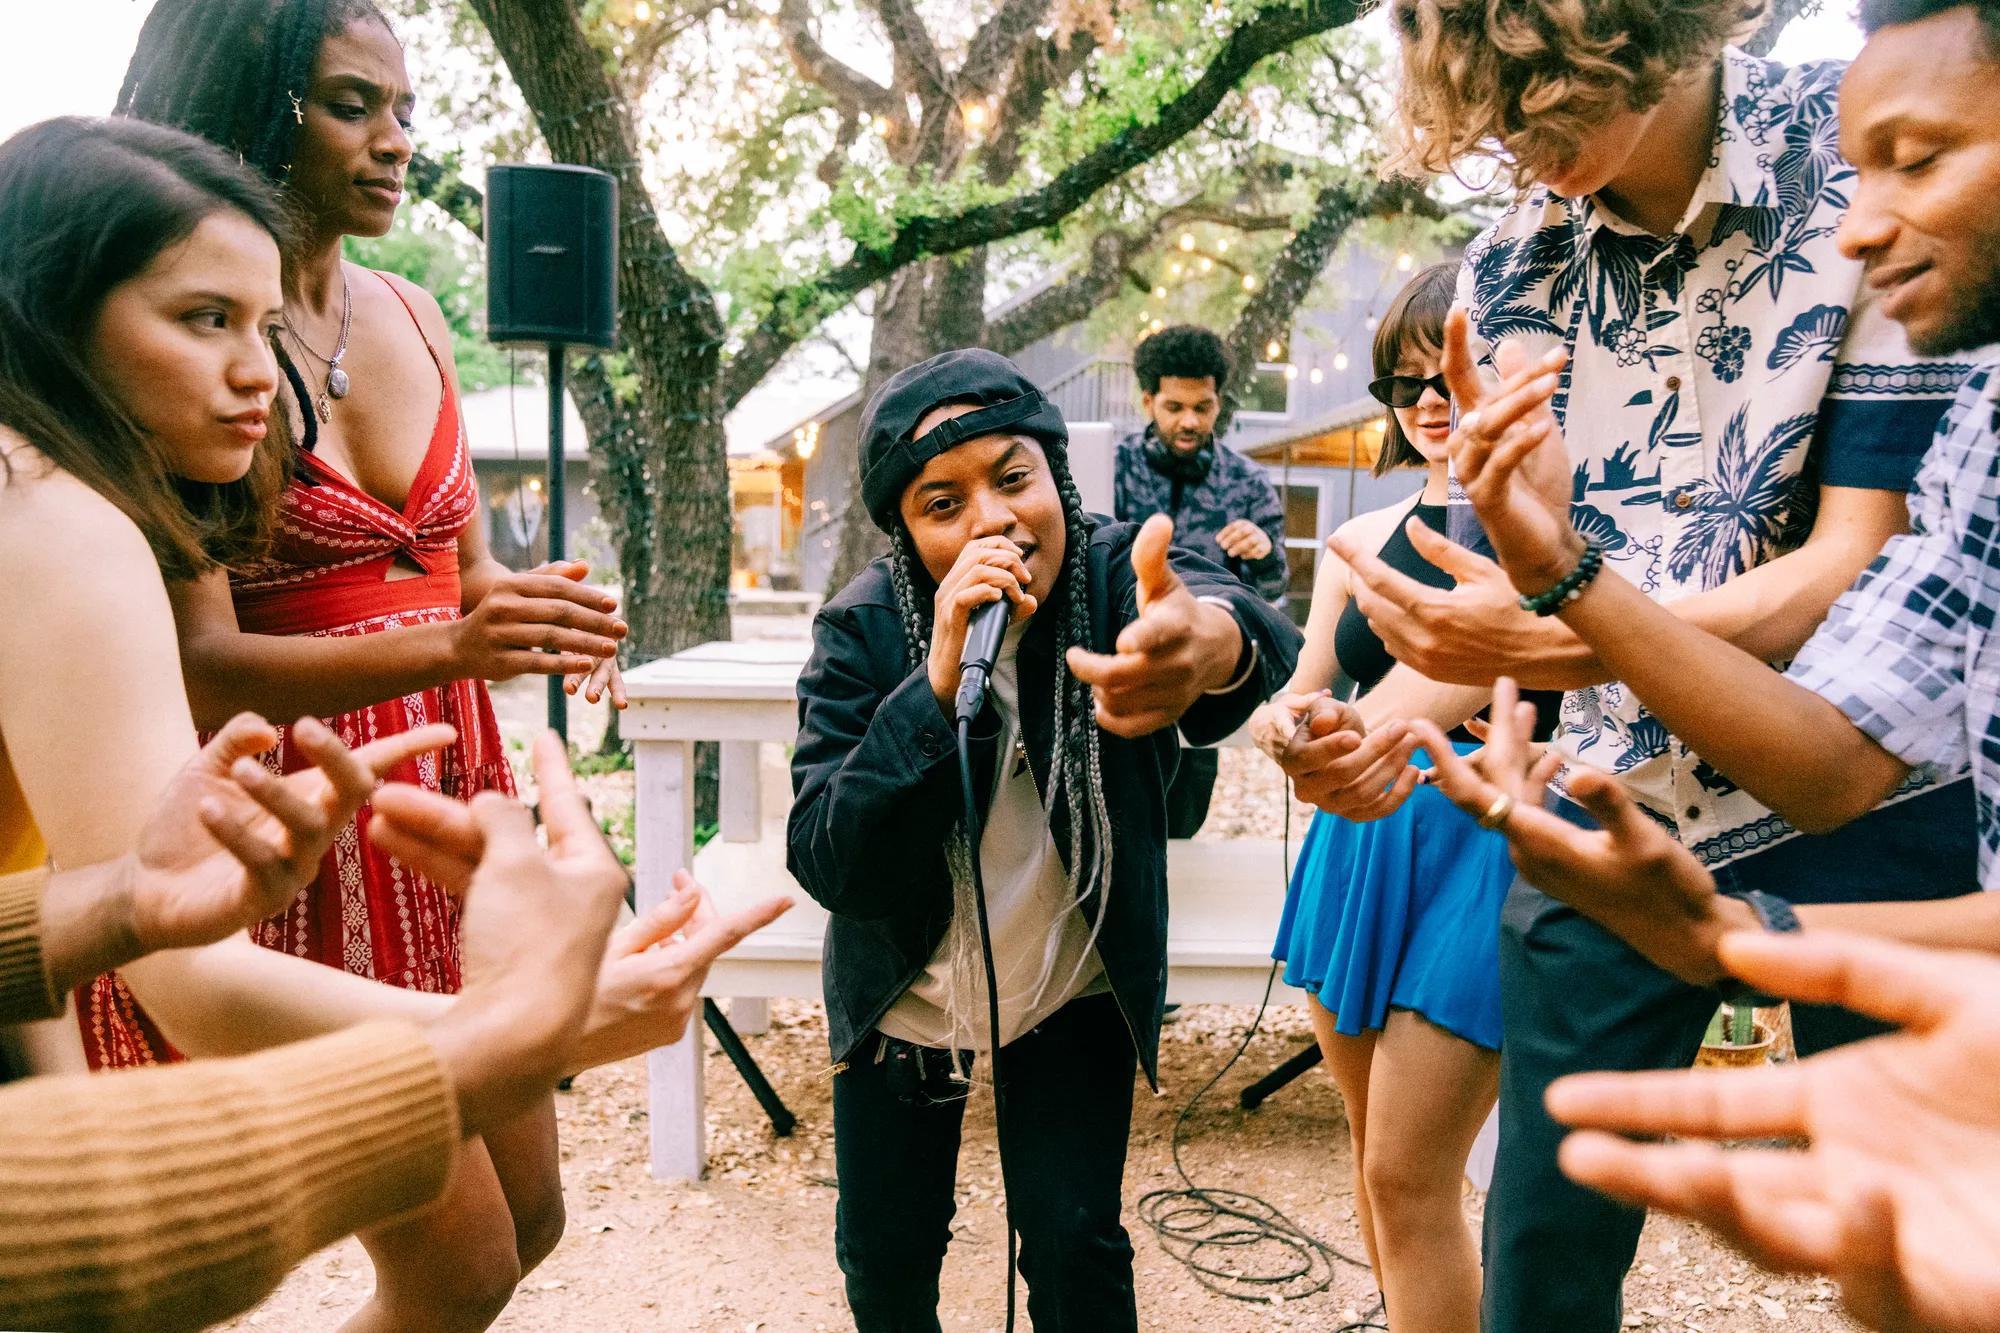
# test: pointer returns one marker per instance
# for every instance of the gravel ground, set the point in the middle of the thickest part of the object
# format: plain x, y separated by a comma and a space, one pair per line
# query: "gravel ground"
750, 1248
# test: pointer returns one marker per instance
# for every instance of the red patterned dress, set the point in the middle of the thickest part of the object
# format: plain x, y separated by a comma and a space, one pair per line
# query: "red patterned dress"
327, 575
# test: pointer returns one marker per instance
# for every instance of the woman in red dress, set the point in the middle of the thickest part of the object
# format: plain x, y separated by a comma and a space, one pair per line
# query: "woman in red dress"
380, 607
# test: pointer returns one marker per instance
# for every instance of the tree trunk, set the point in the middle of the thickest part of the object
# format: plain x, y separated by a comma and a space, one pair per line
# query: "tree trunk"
658, 446
925, 309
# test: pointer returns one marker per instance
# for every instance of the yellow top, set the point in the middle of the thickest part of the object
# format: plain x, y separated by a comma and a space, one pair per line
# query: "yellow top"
21, 845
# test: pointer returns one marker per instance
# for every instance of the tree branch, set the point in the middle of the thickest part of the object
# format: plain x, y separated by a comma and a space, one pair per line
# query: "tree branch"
1268, 313
1781, 13
999, 46
915, 52
432, 180
797, 310
846, 85
1038, 69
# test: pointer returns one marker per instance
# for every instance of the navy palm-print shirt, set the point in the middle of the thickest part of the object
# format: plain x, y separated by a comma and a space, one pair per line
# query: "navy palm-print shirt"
1720, 375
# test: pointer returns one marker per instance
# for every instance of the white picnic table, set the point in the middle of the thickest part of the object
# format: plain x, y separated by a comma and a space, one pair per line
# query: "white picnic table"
1224, 895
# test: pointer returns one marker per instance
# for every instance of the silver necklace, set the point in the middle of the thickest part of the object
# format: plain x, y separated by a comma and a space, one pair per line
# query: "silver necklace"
336, 383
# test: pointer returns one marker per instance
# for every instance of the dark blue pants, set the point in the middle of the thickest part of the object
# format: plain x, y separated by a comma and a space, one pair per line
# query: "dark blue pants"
1574, 997
1067, 1116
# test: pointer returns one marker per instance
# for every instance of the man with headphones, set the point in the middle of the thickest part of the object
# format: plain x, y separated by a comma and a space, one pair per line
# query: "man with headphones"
1222, 504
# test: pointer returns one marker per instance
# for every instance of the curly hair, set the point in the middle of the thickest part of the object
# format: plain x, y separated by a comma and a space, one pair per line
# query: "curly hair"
1524, 82
1182, 351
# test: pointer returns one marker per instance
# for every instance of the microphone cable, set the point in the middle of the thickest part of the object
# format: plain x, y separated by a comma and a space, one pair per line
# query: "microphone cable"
1202, 1227
972, 834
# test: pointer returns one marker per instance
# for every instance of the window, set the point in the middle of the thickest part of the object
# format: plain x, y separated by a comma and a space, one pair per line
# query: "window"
1269, 392
1302, 502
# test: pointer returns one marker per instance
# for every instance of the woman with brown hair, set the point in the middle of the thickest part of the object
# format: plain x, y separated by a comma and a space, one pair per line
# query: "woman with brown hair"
378, 606
1392, 919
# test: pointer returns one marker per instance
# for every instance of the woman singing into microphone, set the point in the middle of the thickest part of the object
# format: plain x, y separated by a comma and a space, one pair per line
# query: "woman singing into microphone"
1114, 639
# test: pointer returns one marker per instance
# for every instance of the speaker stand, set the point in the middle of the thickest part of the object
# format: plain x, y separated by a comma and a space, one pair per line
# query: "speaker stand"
557, 517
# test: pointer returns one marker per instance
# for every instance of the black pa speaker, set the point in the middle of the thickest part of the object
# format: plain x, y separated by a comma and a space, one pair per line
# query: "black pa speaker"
551, 255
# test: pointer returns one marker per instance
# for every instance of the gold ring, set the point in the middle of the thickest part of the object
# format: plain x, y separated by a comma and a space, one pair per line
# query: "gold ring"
1496, 813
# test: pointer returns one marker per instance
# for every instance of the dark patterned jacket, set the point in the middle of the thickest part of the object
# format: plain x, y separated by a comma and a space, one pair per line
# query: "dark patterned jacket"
1234, 488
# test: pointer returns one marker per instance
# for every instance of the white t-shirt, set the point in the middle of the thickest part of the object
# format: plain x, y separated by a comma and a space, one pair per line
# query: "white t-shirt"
1028, 907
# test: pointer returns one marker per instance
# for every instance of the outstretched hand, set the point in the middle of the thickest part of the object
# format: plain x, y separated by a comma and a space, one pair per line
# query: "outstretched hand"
653, 967
231, 842
1175, 650
1627, 875
1897, 1196
1509, 456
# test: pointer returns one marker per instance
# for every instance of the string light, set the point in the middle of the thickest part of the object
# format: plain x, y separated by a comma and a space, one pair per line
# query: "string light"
1271, 349
1317, 375
1249, 282
975, 115
1175, 268
1291, 372
806, 439
1187, 240
642, 12
1339, 362
1222, 246
1159, 293
1207, 264
1405, 261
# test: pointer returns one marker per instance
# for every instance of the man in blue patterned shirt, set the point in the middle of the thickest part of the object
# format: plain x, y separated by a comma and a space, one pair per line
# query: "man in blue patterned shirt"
1746, 423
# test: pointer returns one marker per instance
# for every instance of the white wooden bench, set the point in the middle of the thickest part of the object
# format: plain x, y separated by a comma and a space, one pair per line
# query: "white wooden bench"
1224, 896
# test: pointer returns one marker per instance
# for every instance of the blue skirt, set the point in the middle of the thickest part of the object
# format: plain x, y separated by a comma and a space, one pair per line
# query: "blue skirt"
1400, 913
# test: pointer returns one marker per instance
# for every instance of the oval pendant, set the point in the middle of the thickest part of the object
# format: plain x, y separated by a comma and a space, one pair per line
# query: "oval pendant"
336, 382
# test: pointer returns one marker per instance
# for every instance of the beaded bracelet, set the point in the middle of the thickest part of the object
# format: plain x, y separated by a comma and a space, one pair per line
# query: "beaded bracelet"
1571, 585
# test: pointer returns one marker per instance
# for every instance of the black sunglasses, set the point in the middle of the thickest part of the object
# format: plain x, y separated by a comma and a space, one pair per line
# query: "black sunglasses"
1405, 390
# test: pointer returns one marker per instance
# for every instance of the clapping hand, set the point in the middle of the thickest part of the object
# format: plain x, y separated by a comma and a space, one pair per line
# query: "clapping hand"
1627, 875
653, 967
1896, 1196
1509, 456
1175, 650
231, 842
1335, 763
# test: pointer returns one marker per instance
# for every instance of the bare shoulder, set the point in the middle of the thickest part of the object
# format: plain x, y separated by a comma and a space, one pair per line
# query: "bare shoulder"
1371, 529
48, 516
430, 315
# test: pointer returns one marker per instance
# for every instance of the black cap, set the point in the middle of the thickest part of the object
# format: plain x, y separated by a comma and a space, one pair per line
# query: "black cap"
1008, 404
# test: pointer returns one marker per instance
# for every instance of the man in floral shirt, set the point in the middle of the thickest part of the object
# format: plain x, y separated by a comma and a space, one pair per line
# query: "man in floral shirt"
1745, 426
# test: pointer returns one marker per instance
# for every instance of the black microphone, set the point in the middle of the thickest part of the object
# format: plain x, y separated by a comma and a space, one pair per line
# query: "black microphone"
983, 633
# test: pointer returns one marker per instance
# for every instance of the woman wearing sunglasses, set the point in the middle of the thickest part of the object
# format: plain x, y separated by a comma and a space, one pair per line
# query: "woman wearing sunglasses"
1391, 923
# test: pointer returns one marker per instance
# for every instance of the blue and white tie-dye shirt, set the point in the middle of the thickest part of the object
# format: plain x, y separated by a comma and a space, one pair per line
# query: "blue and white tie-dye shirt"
1908, 652
1720, 375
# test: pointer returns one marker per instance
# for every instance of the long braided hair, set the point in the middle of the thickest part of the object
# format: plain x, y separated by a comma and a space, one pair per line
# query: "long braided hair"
1076, 774
236, 72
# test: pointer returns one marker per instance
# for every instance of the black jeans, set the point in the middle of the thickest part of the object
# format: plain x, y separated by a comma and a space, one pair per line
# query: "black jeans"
1068, 1114
1188, 794
1574, 997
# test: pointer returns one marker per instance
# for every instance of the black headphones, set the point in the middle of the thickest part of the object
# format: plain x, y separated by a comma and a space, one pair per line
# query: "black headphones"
1190, 468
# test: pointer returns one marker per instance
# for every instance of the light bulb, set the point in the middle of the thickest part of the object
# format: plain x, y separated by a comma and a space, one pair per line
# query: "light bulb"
1291, 372
1405, 261
1249, 282
1317, 375
1271, 350
1187, 240
1340, 360
1175, 268
1207, 264
1159, 293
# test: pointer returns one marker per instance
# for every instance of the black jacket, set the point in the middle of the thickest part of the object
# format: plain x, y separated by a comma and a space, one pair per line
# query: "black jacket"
875, 778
